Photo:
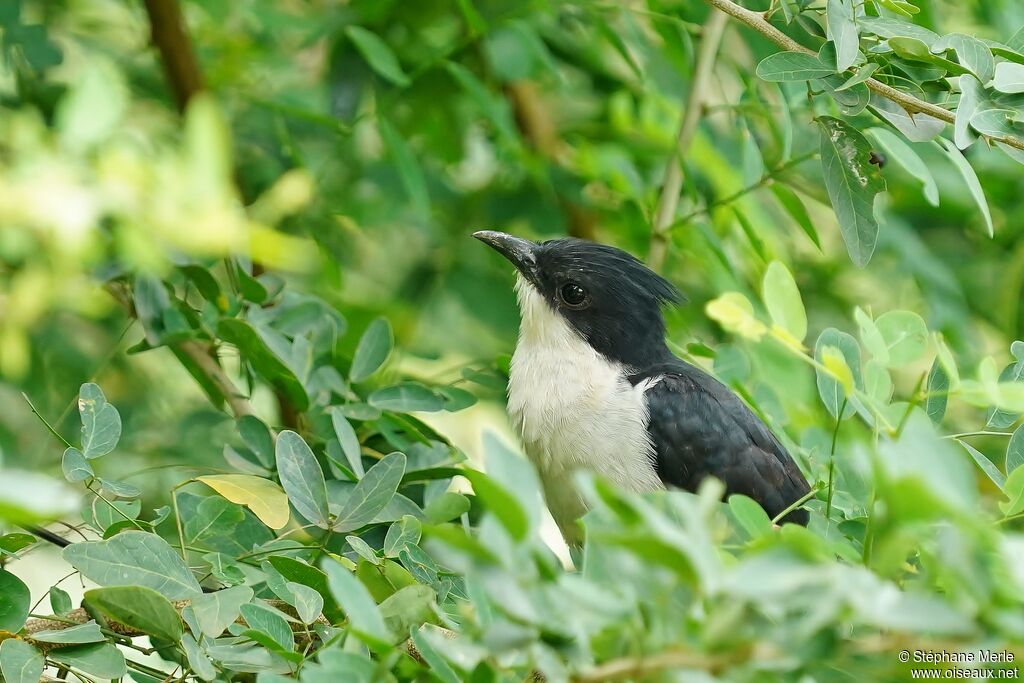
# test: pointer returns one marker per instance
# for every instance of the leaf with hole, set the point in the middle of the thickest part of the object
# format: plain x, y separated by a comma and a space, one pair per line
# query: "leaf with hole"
853, 183
101, 423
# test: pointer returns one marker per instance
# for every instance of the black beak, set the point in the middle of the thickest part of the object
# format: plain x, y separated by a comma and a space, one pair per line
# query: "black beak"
522, 253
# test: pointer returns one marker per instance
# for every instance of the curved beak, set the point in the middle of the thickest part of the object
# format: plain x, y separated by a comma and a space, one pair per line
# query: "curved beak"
521, 253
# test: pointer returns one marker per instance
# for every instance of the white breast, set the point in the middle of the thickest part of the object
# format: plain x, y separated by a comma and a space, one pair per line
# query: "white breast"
575, 409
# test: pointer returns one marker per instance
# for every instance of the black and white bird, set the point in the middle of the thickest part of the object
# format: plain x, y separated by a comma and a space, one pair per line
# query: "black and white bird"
594, 386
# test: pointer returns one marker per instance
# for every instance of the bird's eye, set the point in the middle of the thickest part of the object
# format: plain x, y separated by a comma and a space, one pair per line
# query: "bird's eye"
573, 295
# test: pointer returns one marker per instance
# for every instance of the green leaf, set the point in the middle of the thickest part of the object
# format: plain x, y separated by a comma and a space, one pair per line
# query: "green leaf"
842, 31
884, 27
218, 610
300, 572
265, 498
101, 660
254, 347
852, 184
792, 66
916, 50
363, 549
407, 608
404, 532
15, 600
971, 180
76, 467
60, 601
446, 507
1014, 490
830, 390
372, 351
905, 336
1015, 451
1014, 372
346, 436
373, 492
256, 435
494, 107
750, 515
198, 660
1009, 77
782, 299
270, 623
796, 209
138, 607
74, 635
302, 478
971, 53
134, 558
307, 602
378, 55
363, 615
12, 543
906, 157
20, 662
101, 423
410, 171
916, 128
435, 660
990, 470
501, 503
408, 397
938, 386
864, 73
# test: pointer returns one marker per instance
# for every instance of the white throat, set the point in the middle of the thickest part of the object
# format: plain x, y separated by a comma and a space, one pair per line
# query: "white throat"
574, 409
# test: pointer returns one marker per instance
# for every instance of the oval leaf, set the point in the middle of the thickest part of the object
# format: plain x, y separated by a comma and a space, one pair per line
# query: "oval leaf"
372, 351
140, 608
302, 478
265, 498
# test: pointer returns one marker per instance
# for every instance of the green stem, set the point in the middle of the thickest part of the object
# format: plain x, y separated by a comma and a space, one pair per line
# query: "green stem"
67, 444
177, 519
114, 507
796, 503
978, 433
832, 461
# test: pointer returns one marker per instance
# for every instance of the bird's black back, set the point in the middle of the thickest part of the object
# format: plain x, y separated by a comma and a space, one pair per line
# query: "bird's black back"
700, 428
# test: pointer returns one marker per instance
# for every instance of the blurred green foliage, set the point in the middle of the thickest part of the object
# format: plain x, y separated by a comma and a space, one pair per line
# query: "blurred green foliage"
250, 228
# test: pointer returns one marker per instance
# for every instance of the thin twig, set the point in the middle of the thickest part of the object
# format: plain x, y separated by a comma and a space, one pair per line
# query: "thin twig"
909, 103
672, 185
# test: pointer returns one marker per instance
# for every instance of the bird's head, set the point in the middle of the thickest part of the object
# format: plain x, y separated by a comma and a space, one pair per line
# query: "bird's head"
600, 293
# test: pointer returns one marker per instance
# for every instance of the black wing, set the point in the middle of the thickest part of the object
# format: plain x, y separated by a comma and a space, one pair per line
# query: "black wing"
699, 427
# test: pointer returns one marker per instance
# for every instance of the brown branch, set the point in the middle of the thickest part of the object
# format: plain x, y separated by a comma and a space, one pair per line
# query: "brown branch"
538, 127
672, 186
204, 357
911, 104
167, 28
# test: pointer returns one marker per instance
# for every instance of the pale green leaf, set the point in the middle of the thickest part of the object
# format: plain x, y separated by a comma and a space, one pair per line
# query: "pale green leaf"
302, 478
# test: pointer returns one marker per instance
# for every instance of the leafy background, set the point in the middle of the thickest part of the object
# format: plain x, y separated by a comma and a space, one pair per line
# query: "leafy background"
246, 343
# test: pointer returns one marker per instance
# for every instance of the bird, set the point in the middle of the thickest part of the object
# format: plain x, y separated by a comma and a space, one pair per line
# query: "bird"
594, 386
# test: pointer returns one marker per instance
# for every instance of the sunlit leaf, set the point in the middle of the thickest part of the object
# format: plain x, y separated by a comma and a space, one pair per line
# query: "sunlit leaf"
265, 498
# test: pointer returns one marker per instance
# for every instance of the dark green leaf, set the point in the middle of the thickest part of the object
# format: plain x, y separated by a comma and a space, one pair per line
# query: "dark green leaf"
255, 349
140, 608
15, 601
938, 385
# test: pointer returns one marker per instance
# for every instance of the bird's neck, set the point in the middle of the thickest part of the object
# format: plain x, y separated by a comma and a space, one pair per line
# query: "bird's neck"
542, 328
